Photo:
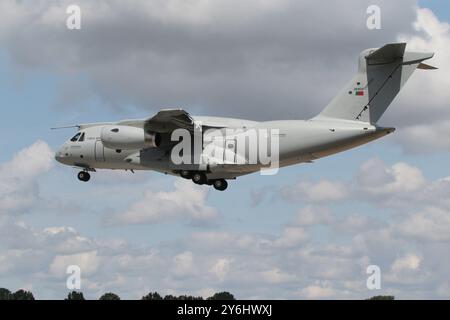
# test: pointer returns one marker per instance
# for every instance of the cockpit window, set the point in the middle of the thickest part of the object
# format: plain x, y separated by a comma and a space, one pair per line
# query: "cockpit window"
81, 138
75, 137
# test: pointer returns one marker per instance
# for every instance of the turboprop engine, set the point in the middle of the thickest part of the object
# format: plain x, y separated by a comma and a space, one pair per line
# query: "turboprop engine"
128, 138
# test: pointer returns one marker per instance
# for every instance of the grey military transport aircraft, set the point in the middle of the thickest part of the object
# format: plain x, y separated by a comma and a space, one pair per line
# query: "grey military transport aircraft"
348, 121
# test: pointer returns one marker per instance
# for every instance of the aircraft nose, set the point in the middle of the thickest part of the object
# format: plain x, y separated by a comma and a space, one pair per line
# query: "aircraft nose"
60, 156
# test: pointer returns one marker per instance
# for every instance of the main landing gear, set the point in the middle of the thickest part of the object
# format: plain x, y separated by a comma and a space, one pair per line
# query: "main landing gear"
84, 176
220, 184
200, 178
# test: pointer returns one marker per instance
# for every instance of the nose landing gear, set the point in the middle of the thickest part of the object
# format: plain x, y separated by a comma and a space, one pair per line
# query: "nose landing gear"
84, 176
186, 174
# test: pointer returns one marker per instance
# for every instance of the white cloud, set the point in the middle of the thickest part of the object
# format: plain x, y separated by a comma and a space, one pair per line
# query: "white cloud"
407, 270
187, 201
18, 177
110, 177
230, 57
424, 111
247, 264
311, 215
317, 292
87, 261
65, 239
322, 191
408, 262
430, 223
221, 268
375, 178
426, 137
400, 186
354, 223
184, 264
276, 276
203, 12
291, 236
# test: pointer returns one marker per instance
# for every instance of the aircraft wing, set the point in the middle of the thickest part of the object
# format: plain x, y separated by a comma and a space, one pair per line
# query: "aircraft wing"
167, 120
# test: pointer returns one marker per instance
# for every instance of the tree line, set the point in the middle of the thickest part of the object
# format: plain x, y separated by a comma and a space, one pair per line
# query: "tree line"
21, 294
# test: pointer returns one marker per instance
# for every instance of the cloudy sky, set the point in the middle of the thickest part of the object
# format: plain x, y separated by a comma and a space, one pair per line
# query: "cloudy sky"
308, 232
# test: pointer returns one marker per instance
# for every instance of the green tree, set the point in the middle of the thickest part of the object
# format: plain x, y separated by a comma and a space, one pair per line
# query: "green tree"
22, 295
152, 296
75, 295
382, 298
5, 294
224, 295
109, 296
182, 297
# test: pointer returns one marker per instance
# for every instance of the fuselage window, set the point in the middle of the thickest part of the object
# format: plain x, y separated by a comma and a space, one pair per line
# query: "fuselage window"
115, 130
75, 137
81, 138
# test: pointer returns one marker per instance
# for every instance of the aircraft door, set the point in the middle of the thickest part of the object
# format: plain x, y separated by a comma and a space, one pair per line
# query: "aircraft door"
99, 151
230, 151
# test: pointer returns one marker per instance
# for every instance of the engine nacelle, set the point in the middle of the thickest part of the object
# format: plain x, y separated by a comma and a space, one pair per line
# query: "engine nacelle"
128, 138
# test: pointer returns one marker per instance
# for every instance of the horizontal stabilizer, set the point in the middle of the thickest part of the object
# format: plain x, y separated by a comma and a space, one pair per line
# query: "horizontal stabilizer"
386, 54
424, 66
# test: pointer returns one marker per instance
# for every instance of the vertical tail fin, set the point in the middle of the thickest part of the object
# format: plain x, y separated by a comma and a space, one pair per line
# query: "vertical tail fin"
381, 75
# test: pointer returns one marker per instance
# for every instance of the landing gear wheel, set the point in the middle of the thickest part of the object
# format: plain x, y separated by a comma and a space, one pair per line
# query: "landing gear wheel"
84, 176
199, 178
186, 174
220, 184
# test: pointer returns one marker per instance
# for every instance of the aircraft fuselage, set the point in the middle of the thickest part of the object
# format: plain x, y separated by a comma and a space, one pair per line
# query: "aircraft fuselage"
299, 141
